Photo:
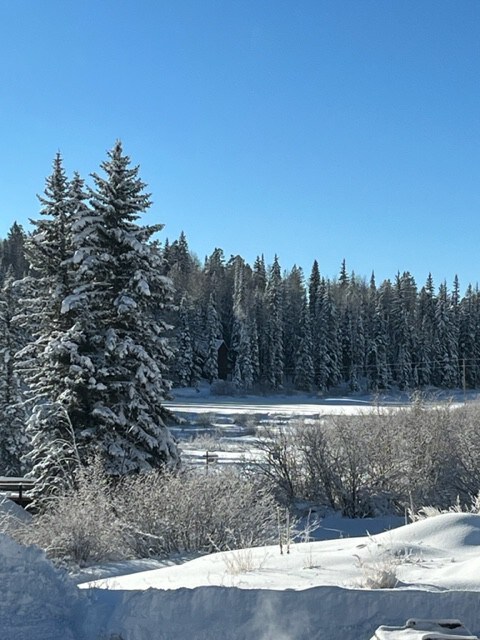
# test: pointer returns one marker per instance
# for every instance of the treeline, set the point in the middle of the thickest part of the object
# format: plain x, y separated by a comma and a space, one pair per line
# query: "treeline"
287, 331
283, 330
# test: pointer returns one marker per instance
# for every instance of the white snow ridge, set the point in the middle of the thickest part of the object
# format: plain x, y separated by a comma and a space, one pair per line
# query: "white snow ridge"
37, 601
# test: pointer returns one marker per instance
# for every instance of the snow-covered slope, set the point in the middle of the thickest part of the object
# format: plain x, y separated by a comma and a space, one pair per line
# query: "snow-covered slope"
37, 601
434, 554
315, 591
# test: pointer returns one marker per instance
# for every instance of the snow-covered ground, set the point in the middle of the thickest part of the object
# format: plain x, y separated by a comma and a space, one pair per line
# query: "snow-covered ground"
188, 401
316, 590
227, 427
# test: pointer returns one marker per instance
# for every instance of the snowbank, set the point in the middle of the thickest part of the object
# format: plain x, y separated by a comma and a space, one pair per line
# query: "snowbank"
311, 593
228, 613
37, 601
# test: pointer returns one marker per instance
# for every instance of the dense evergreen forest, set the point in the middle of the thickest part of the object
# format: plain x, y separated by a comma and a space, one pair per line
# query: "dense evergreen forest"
99, 317
286, 331
313, 334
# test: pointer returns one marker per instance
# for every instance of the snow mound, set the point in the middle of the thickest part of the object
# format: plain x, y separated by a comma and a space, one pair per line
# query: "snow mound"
446, 531
11, 510
37, 601
437, 554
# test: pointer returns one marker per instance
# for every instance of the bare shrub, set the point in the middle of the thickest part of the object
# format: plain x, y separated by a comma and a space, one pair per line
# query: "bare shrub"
432, 456
152, 515
380, 573
319, 464
382, 462
281, 462
81, 526
205, 419
12, 517
379, 569
466, 421
220, 511
243, 561
337, 462
429, 511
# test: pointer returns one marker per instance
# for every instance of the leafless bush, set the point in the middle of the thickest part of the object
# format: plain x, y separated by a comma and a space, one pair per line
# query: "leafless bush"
196, 512
379, 567
12, 517
152, 515
382, 462
243, 561
281, 462
429, 511
80, 527
380, 573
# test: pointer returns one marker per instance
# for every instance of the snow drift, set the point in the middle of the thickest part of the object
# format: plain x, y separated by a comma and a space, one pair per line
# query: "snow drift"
37, 601
312, 593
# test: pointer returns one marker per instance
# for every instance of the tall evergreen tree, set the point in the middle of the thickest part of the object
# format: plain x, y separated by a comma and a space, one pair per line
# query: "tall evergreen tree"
52, 455
304, 370
425, 329
446, 362
469, 338
13, 439
13, 253
313, 285
124, 296
96, 366
183, 357
274, 369
378, 373
294, 299
214, 334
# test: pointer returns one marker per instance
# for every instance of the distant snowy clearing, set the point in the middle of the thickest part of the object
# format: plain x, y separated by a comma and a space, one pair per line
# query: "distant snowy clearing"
192, 401
229, 427
272, 406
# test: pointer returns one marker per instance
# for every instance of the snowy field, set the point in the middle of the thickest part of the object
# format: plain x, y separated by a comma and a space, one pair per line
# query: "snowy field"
326, 589
228, 427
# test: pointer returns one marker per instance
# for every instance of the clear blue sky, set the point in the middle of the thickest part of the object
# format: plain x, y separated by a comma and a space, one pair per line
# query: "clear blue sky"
323, 129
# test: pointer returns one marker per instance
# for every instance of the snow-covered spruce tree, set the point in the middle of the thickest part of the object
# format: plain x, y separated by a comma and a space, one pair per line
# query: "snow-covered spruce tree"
334, 349
293, 299
13, 440
404, 337
469, 337
377, 366
446, 334
214, 333
313, 285
119, 364
273, 371
425, 325
183, 357
243, 371
320, 338
52, 456
243, 375
13, 252
304, 369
